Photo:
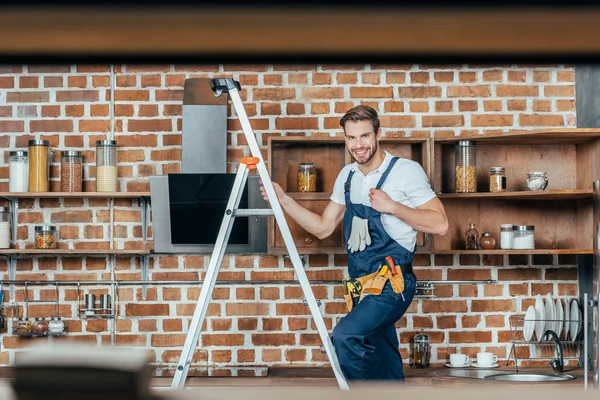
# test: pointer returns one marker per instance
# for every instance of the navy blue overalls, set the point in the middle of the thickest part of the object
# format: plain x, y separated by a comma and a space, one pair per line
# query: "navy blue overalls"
365, 340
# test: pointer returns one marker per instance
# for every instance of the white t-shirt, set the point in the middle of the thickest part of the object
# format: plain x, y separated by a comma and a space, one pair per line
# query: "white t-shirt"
406, 183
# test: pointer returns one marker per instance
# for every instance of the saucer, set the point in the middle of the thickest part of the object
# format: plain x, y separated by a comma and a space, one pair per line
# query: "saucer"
459, 366
494, 365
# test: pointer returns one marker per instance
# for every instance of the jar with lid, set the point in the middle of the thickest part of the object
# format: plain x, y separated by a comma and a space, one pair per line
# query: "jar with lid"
487, 241
18, 164
40, 325
106, 166
536, 180
465, 160
56, 326
497, 179
4, 228
421, 350
39, 165
22, 325
45, 237
307, 177
71, 171
524, 237
506, 236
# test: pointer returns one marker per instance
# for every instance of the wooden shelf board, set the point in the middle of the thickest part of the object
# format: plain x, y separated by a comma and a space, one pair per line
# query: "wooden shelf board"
310, 196
569, 194
71, 252
546, 136
117, 195
536, 251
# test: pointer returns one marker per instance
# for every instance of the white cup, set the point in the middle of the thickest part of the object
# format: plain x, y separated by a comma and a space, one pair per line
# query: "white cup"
486, 359
458, 360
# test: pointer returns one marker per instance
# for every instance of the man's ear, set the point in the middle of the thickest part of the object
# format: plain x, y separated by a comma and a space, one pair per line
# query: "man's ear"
378, 135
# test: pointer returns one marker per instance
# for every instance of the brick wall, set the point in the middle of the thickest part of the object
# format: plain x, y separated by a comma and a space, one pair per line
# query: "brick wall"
253, 326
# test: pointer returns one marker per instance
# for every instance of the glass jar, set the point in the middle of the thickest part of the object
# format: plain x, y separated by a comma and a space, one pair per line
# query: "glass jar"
487, 241
22, 325
536, 180
524, 238
472, 238
307, 177
4, 228
506, 236
40, 325
465, 163
421, 350
56, 326
106, 166
45, 237
71, 171
497, 179
39, 165
18, 164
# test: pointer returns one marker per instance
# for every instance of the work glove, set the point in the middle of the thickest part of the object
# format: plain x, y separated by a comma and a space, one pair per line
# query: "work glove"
359, 235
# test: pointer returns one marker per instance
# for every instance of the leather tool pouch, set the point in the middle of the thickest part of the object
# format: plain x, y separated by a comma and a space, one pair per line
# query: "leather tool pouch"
397, 282
375, 285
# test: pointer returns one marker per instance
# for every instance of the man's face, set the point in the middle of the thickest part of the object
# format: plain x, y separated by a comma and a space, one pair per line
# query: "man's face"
361, 140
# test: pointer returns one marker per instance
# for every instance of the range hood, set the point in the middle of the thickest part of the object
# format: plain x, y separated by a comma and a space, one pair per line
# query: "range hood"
182, 202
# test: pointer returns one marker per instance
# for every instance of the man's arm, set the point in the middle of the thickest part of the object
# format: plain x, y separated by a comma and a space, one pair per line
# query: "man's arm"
319, 225
429, 217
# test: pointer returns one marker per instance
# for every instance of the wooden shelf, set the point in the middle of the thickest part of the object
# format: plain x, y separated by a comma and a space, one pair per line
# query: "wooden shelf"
545, 137
116, 195
310, 196
572, 194
58, 252
536, 251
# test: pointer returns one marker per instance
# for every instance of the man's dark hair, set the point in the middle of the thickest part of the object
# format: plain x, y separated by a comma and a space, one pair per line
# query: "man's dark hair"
361, 113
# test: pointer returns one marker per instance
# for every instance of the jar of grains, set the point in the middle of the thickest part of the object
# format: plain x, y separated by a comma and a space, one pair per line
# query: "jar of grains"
45, 237
106, 166
465, 167
71, 176
497, 179
38, 165
19, 171
307, 177
4, 228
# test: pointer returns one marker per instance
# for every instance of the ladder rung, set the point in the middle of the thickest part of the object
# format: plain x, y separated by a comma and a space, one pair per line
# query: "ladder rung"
249, 212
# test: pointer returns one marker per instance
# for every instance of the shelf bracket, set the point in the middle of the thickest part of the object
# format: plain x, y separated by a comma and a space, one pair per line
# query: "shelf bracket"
12, 274
144, 263
14, 217
145, 205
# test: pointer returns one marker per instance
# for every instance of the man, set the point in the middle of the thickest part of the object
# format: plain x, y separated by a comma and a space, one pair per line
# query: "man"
384, 201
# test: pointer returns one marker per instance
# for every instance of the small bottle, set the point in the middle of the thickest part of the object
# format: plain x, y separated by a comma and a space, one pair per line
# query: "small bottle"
40, 325
506, 236
56, 326
497, 179
307, 178
487, 241
18, 171
472, 238
421, 350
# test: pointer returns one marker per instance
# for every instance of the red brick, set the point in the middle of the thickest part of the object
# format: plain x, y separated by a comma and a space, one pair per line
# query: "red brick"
12, 126
146, 309
77, 95
169, 95
492, 305
439, 306
27, 97
347, 78
469, 91
559, 90
443, 121
273, 339
491, 120
517, 90
51, 69
29, 82
371, 92
275, 94
540, 120
149, 125
419, 91
470, 337
132, 95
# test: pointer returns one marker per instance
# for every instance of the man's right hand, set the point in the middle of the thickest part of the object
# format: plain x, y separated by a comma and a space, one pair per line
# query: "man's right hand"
278, 191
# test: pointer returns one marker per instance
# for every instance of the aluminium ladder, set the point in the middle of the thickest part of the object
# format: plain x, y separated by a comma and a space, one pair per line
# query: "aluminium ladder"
249, 163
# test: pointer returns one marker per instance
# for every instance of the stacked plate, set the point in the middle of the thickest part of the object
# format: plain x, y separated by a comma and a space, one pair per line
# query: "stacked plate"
551, 315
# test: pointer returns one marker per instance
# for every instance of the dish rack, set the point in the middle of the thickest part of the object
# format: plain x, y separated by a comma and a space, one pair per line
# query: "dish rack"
538, 349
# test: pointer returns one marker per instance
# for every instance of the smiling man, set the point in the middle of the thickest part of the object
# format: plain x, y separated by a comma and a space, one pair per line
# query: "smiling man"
383, 200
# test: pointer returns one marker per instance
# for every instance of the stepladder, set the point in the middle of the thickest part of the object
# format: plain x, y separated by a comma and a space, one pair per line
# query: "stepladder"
256, 163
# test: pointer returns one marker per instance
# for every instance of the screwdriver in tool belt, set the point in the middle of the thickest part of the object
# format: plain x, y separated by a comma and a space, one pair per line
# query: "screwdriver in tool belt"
390, 262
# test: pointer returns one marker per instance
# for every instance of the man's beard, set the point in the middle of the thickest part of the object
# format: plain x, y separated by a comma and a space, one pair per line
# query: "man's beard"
372, 150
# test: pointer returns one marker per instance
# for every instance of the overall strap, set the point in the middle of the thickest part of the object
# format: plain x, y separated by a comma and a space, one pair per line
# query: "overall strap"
387, 172
348, 180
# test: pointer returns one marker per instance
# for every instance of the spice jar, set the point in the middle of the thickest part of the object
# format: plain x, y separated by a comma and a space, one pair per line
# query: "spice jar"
71, 177
472, 238
56, 326
22, 326
524, 238
497, 179
506, 236
487, 241
39, 165
307, 177
45, 237
18, 164
106, 166
40, 325
4, 228
465, 160
421, 350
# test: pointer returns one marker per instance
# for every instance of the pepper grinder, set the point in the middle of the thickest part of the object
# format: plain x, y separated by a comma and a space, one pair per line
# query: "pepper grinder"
421, 350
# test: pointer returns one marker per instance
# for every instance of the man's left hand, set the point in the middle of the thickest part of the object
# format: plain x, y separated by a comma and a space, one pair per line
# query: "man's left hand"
380, 201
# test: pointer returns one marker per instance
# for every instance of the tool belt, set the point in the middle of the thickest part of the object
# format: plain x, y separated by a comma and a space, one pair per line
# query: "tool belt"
374, 283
